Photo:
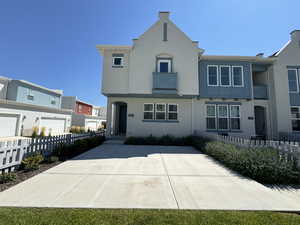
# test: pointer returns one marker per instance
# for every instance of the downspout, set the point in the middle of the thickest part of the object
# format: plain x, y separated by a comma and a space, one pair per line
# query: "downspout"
192, 113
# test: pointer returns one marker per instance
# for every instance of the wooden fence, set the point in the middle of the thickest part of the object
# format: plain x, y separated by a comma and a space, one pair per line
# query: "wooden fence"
288, 149
15, 149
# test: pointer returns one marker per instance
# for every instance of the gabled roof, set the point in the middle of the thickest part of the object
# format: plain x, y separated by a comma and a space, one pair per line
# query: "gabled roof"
275, 54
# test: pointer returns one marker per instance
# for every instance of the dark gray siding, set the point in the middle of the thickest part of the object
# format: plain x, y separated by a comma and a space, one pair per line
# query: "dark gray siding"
225, 92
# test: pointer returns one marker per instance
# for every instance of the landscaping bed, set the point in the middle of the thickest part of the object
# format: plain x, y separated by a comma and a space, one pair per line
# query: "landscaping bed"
36, 163
54, 216
265, 165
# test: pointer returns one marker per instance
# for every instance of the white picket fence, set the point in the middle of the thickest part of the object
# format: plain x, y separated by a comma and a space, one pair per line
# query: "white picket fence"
287, 149
14, 150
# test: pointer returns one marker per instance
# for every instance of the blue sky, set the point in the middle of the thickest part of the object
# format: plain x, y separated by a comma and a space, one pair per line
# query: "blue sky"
52, 42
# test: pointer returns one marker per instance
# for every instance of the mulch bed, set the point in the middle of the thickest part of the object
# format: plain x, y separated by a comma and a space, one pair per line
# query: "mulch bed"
21, 175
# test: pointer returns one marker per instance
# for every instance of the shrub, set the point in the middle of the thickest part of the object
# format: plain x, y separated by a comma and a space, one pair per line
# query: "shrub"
43, 132
32, 162
7, 177
34, 132
52, 159
265, 165
64, 151
82, 130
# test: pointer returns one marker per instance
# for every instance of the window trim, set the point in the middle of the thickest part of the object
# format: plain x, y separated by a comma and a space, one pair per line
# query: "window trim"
232, 77
153, 111
212, 85
291, 117
215, 117
229, 76
169, 61
297, 81
156, 111
234, 117
172, 111
113, 61
222, 117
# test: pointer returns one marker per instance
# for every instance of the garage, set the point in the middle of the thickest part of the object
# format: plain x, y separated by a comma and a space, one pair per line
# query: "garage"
8, 125
91, 125
53, 125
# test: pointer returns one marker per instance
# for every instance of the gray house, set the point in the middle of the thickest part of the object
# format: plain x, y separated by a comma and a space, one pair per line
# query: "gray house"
164, 84
25, 107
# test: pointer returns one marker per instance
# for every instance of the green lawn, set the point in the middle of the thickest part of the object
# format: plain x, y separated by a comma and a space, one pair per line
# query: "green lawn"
47, 216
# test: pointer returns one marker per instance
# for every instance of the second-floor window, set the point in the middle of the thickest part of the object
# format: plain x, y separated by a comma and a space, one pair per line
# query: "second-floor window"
79, 108
212, 73
117, 60
30, 95
293, 80
225, 76
164, 65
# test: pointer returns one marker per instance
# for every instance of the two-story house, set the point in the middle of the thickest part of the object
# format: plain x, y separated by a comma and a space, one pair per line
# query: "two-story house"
164, 84
25, 107
82, 115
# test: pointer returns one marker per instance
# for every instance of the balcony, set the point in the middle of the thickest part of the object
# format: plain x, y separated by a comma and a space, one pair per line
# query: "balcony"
164, 83
260, 92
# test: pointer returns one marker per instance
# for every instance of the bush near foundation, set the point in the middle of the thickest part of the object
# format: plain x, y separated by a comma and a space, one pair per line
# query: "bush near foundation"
64, 151
7, 177
265, 165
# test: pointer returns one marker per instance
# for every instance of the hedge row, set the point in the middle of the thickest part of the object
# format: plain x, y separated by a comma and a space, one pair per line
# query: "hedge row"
265, 165
65, 151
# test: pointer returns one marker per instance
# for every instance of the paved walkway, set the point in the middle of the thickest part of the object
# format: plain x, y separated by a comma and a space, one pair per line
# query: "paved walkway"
121, 176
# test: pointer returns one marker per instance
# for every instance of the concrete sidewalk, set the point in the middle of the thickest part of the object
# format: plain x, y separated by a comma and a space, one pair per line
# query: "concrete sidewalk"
121, 176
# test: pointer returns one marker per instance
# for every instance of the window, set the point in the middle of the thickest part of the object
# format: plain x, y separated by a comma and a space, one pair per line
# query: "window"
211, 117
53, 102
164, 65
235, 118
160, 113
117, 60
79, 108
212, 75
148, 111
223, 117
172, 111
295, 118
293, 80
30, 95
237, 76
225, 75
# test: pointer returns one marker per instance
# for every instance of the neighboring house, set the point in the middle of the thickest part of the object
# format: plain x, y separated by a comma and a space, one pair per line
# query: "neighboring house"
164, 84
25, 106
101, 112
82, 113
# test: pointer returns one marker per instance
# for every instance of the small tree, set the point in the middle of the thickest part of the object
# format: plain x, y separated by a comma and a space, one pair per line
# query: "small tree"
43, 132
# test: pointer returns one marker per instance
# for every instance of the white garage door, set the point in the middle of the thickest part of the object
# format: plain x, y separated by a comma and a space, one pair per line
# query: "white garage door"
8, 125
92, 125
56, 126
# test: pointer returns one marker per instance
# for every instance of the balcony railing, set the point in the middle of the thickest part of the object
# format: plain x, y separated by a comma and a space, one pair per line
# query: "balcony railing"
164, 83
260, 92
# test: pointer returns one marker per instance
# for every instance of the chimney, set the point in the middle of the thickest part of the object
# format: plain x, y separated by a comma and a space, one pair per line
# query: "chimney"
295, 35
164, 15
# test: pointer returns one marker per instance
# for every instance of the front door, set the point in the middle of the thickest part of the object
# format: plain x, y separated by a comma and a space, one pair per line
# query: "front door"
260, 121
122, 119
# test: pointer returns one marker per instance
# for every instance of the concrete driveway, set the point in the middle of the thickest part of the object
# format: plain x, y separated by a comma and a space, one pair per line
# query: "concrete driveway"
121, 176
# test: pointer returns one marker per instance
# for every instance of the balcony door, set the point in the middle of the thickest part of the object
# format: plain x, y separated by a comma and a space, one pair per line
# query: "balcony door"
164, 65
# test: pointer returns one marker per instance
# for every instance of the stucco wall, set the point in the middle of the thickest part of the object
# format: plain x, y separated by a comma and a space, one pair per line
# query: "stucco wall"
31, 118
187, 109
290, 56
18, 91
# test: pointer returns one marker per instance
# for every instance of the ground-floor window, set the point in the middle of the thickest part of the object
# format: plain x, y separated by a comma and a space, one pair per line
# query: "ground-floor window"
223, 117
295, 118
161, 111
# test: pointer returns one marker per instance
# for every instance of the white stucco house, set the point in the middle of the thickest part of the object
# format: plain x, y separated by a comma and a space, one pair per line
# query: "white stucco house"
25, 107
164, 84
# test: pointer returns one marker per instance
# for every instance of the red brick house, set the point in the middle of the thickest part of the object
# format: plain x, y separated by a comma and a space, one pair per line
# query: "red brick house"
83, 108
